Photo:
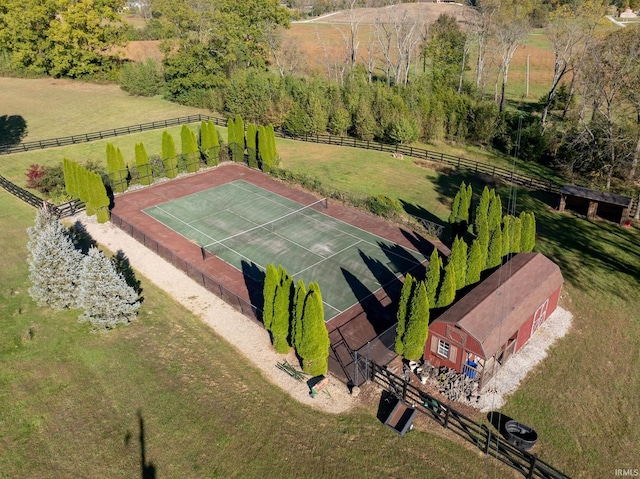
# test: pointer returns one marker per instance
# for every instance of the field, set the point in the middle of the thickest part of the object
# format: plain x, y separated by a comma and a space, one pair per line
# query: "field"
70, 399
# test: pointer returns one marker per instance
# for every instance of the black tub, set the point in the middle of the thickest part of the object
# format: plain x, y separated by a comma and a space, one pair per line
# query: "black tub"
519, 435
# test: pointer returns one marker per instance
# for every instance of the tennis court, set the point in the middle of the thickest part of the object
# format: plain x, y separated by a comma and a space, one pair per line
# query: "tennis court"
242, 223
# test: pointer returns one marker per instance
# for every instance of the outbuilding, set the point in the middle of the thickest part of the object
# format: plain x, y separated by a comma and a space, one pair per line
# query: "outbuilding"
479, 332
594, 203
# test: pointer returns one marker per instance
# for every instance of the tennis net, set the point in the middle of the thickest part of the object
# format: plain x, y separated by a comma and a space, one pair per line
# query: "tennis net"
259, 231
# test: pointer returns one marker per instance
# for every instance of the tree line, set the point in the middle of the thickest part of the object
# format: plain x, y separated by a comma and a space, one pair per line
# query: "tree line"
408, 81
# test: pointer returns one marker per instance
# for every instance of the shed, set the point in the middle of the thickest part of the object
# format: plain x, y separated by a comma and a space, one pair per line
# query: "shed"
592, 203
479, 332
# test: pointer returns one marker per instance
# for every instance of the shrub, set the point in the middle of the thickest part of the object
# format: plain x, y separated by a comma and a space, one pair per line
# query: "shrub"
384, 206
34, 175
142, 79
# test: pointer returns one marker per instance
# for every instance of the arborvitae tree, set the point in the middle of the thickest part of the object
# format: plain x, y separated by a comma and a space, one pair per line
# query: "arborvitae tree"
415, 336
84, 190
465, 205
515, 236
506, 241
169, 155
298, 310
448, 288
264, 152
70, 179
494, 253
101, 199
455, 208
475, 263
495, 213
239, 139
209, 145
54, 263
271, 279
433, 277
252, 144
482, 210
282, 307
231, 139
458, 257
314, 344
271, 141
190, 152
403, 308
104, 294
528, 237
116, 169
145, 174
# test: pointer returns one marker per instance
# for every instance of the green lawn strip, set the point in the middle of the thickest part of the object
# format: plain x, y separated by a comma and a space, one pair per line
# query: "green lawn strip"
70, 400
55, 108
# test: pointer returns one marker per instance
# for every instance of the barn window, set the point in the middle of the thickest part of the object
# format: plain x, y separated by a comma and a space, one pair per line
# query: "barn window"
443, 348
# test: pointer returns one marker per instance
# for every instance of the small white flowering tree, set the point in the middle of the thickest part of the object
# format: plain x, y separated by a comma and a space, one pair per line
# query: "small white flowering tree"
54, 263
104, 294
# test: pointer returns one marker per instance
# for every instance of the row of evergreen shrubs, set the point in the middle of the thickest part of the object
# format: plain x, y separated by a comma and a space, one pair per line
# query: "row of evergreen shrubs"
294, 316
496, 236
87, 186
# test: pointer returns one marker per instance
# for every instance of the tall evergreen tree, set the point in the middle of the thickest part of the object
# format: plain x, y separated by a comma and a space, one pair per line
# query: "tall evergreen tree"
54, 263
495, 213
190, 153
417, 331
494, 254
314, 344
231, 138
482, 210
282, 307
458, 257
403, 308
252, 144
145, 173
209, 143
528, 237
271, 140
515, 236
100, 198
104, 294
433, 277
298, 311
475, 263
117, 169
455, 208
239, 139
506, 238
169, 155
448, 288
269, 294
70, 177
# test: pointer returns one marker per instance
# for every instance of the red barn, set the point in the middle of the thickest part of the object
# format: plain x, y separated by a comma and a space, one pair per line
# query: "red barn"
495, 319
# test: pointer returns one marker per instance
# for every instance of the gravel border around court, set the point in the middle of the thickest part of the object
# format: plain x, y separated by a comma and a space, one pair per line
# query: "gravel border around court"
508, 378
249, 338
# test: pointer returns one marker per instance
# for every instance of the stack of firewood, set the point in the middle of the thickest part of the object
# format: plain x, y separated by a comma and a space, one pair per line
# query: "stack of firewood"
457, 387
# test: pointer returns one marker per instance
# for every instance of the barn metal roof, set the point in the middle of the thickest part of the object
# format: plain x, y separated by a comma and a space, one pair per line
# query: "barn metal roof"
494, 310
596, 195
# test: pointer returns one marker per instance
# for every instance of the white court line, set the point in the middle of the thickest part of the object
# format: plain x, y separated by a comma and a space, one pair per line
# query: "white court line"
181, 221
327, 258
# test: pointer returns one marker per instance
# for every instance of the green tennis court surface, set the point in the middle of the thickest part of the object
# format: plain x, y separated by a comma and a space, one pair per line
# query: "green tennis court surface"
244, 224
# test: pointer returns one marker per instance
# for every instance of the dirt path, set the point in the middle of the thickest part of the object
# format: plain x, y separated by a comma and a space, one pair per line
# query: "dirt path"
250, 339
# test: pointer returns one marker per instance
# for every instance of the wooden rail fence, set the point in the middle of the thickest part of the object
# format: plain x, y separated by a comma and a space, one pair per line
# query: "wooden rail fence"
488, 441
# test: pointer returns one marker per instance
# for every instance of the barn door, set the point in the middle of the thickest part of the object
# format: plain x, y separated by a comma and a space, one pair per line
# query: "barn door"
539, 317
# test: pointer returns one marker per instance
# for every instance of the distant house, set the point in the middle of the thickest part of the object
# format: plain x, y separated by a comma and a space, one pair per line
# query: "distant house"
494, 320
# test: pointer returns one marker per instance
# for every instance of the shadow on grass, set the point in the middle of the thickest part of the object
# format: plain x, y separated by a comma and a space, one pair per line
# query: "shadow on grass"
591, 254
254, 281
13, 128
147, 469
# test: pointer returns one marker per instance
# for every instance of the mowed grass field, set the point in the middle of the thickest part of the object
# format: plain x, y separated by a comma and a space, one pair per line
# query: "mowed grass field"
582, 399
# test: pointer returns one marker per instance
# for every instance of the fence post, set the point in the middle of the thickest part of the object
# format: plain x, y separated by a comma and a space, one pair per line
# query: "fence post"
486, 446
404, 388
532, 467
446, 417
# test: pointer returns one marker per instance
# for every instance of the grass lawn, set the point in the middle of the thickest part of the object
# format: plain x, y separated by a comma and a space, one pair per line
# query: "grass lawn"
71, 402
54, 108
70, 394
